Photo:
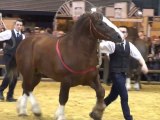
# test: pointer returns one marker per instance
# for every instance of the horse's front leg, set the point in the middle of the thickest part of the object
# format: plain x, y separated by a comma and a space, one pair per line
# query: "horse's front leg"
98, 109
63, 98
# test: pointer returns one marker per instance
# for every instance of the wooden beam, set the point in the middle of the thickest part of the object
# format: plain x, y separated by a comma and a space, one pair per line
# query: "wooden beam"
126, 20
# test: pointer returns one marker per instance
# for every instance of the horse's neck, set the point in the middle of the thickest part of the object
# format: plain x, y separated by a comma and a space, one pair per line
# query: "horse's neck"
81, 52
82, 45
87, 45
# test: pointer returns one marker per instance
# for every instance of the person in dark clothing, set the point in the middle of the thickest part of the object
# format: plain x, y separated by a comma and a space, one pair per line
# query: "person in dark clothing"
119, 54
12, 39
1, 49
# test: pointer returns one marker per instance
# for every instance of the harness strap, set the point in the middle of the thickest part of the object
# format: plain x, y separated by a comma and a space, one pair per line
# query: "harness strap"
67, 67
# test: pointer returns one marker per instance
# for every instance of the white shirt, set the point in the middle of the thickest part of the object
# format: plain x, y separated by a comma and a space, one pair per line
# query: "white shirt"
7, 34
108, 47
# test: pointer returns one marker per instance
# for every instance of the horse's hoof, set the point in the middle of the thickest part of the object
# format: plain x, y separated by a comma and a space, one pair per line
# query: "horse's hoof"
60, 118
137, 89
36, 110
22, 112
38, 114
94, 116
136, 86
22, 115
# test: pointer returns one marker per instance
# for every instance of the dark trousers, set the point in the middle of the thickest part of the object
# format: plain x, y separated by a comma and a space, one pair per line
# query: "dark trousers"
9, 80
119, 88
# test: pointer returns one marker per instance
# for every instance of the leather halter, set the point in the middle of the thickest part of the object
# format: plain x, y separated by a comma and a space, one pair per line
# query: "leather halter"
69, 68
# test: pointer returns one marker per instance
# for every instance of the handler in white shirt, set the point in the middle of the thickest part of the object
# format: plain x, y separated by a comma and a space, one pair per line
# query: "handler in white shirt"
119, 54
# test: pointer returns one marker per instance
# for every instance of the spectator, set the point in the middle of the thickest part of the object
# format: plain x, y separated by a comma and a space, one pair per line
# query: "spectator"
1, 49
27, 32
36, 30
142, 40
48, 30
154, 58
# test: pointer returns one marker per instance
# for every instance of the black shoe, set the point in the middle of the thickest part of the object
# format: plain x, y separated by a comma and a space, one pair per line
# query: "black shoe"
11, 99
1, 96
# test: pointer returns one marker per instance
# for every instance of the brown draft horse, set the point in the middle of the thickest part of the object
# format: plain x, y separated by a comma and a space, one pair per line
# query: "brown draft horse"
70, 59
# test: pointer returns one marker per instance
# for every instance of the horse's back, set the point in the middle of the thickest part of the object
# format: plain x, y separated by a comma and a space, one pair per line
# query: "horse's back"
34, 48
34, 41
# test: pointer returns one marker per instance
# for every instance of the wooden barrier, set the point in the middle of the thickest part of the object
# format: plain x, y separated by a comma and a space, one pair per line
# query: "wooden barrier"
2, 66
154, 71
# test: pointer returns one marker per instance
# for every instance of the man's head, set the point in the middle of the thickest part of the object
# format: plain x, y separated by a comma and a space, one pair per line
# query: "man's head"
1, 27
124, 30
18, 25
141, 35
36, 30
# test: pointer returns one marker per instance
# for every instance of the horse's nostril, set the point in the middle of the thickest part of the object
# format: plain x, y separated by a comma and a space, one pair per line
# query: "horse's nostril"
119, 36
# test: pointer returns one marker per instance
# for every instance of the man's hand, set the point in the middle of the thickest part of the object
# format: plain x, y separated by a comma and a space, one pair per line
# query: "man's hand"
144, 69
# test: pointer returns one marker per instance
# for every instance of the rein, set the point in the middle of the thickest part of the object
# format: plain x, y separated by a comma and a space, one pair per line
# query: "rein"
67, 67
91, 24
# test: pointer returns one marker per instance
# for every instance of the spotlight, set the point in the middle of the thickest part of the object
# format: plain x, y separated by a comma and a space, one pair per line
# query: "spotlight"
93, 9
139, 13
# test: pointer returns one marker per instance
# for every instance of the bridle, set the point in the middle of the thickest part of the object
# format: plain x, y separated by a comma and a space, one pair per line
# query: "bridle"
98, 51
93, 26
69, 68
91, 31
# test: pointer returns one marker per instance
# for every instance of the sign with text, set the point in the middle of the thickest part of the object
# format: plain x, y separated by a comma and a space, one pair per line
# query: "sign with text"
78, 8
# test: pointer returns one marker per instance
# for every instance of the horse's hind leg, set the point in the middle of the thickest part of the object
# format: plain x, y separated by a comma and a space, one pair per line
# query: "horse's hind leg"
22, 105
137, 84
63, 98
35, 106
98, 109
22, 101
28, 86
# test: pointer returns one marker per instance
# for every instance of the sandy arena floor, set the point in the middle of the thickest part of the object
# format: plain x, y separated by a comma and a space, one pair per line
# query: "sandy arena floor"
144, 104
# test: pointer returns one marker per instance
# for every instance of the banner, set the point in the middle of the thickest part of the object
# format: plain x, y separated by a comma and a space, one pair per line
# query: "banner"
78, 8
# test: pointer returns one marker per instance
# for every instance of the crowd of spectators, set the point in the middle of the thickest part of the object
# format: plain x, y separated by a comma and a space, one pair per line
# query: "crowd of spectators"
153, 61
39, 30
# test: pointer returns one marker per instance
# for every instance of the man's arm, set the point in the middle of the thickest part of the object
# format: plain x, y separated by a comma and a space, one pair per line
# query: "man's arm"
107, 47
6, 35
134, 52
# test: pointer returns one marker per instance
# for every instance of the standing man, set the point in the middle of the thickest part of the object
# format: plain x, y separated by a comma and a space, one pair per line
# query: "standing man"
119, 63
1, 48
12, 38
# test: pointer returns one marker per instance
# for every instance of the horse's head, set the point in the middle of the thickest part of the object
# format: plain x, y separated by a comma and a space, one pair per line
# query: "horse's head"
102, 28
